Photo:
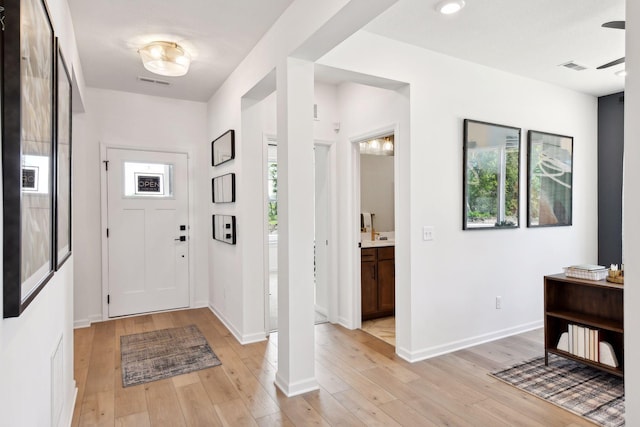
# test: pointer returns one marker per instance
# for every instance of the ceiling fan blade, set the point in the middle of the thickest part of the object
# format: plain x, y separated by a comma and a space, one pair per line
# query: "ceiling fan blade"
615, 24
612, 63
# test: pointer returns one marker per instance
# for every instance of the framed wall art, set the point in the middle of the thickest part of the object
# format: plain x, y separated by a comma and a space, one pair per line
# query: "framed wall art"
223, 188
550, 179
63, 163
224, 228
491, 176
28, 67
223, 148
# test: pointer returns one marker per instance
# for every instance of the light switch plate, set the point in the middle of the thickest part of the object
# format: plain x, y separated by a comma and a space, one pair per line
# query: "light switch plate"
427, 233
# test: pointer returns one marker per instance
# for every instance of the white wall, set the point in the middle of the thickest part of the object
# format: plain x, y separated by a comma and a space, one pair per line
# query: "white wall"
28, 342
631, 213
450, 288
306, 28
146, 122
366, 111
376, 190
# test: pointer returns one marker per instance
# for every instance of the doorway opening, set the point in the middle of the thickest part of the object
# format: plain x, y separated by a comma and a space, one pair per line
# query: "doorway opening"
377, 235
322, 230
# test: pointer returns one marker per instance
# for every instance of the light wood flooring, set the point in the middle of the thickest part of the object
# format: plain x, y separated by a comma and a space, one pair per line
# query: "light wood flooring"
362, 383
383, 328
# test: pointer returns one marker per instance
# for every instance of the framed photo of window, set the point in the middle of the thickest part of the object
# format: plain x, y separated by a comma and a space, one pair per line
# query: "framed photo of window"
491, 176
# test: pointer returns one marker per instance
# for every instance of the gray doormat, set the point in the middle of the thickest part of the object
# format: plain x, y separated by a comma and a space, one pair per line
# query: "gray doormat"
156, 355
583, 390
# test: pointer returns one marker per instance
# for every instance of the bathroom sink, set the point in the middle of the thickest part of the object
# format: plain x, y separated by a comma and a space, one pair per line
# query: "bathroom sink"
378, 243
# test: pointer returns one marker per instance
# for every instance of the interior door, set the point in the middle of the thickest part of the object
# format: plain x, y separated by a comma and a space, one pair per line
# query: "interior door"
148, 231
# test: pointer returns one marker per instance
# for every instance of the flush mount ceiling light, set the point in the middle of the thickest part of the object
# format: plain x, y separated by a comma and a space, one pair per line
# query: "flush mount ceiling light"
165, 58
447, 7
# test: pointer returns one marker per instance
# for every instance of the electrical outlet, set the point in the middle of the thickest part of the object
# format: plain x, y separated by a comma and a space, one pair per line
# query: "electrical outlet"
427, 233
498, 303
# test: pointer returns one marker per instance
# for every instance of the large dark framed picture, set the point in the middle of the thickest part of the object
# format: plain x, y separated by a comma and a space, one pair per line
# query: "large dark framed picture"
223, 148
491, 176
28, 69
550, 179
223, 188
63, 162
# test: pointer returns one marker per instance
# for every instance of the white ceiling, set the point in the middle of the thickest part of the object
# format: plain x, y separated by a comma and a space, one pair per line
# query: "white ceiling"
526, 37
217, 33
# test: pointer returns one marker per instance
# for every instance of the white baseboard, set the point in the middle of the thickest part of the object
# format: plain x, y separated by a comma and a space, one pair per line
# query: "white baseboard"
85, 323
242, 339
321, 310
299, 387
68, 419
200, 304
427, 353
343, 321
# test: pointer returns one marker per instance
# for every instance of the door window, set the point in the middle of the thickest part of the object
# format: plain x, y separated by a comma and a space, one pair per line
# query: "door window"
148, 180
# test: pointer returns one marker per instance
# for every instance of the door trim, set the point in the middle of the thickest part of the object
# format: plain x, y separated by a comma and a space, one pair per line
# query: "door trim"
353, 227
104, 216
332, 252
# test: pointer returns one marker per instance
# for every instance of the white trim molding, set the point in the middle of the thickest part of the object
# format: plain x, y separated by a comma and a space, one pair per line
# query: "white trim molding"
242, 339
428, 353
295, 389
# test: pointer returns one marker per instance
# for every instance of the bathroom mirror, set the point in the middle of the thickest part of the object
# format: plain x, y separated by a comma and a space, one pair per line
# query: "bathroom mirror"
491, 176
223, 188
223, 148
224, 228
550, 179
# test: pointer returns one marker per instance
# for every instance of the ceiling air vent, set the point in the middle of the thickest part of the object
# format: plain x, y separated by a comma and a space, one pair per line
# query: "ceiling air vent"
150, 80
573, 66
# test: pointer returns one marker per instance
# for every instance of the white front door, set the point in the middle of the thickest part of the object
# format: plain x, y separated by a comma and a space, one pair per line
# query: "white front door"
148, 231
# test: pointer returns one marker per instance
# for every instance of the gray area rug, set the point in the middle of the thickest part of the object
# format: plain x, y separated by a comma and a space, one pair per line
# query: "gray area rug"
156, 355
583, 390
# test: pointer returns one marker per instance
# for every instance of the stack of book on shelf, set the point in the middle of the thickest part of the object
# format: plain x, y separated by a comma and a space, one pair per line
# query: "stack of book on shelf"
586, 271
585, 342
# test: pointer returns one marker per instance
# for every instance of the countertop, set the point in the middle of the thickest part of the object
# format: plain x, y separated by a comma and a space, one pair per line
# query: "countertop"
377, 243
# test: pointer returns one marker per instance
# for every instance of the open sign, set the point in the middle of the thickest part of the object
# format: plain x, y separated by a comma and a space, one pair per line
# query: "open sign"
146, 184
30, 178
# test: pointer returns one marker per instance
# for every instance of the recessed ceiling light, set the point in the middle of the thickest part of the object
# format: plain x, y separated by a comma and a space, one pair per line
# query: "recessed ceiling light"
447, 7
621, 73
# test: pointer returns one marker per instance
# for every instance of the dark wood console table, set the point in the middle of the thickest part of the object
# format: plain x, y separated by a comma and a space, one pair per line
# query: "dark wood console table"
593, 304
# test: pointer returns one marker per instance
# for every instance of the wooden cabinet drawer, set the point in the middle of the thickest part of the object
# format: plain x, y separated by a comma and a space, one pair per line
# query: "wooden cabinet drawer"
368, 254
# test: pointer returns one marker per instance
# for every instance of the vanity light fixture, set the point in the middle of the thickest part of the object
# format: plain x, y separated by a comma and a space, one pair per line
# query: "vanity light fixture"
621, 73
387, 146
448, 7
165, 58
380, 146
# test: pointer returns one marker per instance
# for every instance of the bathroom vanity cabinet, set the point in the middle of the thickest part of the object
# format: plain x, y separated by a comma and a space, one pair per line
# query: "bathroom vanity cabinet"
378, 282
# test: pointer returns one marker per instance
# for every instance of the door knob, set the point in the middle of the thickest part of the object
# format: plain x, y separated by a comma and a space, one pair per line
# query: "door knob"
181, 239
